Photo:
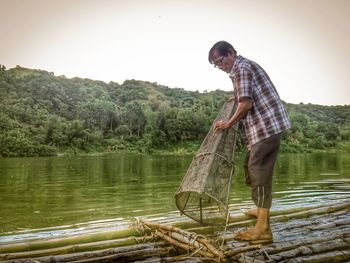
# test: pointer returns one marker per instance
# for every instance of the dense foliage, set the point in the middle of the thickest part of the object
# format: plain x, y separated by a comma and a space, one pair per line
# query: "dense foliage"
42, 114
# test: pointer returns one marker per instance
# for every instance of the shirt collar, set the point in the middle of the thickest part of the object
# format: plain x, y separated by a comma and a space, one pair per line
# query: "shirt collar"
235, 63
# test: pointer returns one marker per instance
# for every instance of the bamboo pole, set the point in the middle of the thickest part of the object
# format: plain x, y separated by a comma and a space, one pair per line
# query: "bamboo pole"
291, 249
198, 244
188, 237
153, 260
124, 242
129, 252
126, 257
288, 245
316, 211
335, 244
246, 259
187, 240
239, 250
63, 241
184, 246
185, 259
333, 256
313, 252
324, 226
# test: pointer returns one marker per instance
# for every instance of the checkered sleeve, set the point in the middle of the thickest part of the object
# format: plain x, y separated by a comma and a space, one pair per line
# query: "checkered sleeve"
268, 115
243, 81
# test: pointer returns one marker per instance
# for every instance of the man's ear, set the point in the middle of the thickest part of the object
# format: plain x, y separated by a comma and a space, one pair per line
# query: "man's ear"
230, 52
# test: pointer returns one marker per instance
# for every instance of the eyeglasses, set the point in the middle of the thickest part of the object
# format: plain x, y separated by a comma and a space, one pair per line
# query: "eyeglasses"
219, 62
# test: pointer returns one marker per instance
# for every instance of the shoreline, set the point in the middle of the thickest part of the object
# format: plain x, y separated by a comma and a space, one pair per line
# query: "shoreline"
175, 151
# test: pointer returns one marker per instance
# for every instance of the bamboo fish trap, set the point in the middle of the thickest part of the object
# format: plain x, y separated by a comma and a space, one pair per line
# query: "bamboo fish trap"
204, 192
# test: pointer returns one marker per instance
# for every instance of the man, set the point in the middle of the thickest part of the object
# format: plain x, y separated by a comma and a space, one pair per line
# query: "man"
264, 119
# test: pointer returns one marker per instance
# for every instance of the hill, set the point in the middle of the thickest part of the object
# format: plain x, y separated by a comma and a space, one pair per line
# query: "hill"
43, 114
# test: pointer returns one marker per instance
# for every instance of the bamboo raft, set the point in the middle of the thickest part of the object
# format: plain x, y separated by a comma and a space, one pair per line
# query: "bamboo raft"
306, 234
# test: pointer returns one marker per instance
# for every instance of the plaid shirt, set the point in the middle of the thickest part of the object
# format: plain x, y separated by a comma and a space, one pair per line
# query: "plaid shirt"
268, 116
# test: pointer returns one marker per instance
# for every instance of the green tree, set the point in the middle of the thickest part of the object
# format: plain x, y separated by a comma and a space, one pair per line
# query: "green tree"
135, 118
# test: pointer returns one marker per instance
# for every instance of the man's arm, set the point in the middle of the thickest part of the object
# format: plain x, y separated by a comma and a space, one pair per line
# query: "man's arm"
242, 109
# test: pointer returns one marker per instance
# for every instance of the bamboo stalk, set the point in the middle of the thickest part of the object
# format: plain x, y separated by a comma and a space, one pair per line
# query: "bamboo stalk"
126, 257
137, 251
318, 230
335, 244
238, 250
334, 256
197, 244
298, 251
323, 226
190, 236
202, 229
289, 245
183, 246
184, 259
246, 259
341, 222
153, 260
186, 240
63, 241
315, 211
310, 249
77, 248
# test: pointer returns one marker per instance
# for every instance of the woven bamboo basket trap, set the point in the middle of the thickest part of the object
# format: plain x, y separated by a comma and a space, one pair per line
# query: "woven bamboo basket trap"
204, 191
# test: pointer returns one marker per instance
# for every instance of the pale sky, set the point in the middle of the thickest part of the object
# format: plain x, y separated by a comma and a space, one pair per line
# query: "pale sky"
302, 44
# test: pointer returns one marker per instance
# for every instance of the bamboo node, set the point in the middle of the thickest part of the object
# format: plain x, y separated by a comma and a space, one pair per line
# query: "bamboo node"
193, 243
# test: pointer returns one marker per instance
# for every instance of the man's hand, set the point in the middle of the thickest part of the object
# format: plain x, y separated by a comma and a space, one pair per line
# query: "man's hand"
220, 125
242, 109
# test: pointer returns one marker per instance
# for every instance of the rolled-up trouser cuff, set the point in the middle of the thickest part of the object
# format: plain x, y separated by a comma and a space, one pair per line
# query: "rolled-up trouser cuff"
259, 164
262, 196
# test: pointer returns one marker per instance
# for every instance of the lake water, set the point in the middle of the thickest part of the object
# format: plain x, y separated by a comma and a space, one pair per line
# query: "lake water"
57, 196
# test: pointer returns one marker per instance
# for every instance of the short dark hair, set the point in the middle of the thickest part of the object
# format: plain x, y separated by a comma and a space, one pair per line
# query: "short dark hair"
223, 48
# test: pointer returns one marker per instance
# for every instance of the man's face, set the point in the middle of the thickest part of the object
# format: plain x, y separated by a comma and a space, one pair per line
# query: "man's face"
222, 62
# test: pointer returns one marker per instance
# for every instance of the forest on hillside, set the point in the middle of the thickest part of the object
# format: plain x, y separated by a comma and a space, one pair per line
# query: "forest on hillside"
42, 115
